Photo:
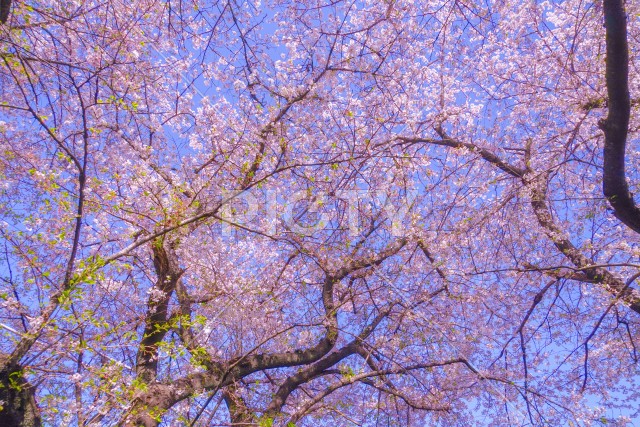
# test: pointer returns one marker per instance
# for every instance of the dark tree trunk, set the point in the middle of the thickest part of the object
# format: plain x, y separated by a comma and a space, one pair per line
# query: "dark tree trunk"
615, 127
5, 8
19, 407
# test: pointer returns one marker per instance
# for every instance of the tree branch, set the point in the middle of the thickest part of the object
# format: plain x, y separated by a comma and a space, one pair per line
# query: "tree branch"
162, 396
595, 274
313, 371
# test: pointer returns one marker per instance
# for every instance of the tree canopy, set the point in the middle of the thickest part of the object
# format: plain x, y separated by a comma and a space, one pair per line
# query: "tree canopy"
319, 213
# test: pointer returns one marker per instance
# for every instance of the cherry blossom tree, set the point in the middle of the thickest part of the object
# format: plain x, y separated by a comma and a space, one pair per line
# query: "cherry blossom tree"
319, 213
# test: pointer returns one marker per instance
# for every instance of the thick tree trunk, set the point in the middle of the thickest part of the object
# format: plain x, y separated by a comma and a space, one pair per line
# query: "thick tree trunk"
615, 127
5, 8
19, 407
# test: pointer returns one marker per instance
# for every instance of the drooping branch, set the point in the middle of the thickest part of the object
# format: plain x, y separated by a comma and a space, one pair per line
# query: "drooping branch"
487, 155
537, 184
367, 376
615, 126
598, 275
